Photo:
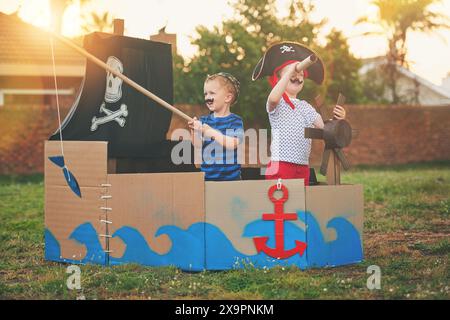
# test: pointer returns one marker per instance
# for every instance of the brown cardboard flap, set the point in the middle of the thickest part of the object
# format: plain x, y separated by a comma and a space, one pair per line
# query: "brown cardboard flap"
87, 160
231, 205
65, 212
147, 202
327, 202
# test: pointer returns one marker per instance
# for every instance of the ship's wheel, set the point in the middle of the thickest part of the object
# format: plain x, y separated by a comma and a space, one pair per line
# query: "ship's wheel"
337, 134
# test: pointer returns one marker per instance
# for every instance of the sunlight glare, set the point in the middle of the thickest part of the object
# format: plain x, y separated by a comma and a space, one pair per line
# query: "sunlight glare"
36, 12
71, 25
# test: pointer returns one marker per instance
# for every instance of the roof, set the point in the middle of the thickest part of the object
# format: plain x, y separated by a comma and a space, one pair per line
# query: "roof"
424, 82
28, 47
370, 63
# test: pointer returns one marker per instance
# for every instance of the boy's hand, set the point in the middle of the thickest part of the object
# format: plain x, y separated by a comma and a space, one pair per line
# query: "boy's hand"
339, 112
290, 69
195, 124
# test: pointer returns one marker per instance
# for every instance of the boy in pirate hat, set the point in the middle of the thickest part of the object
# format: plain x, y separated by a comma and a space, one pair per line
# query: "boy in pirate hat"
288, 115
222, 131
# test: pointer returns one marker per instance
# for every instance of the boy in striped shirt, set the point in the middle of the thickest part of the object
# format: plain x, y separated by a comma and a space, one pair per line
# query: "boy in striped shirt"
220, 132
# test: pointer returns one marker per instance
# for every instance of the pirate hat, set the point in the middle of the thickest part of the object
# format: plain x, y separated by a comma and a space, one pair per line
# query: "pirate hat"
280, 53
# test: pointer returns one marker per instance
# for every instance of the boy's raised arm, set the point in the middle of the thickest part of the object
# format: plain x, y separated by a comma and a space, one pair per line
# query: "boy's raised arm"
277, 92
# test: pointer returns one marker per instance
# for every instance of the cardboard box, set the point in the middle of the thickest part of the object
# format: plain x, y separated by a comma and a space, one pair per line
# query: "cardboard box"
160, 219
73, 229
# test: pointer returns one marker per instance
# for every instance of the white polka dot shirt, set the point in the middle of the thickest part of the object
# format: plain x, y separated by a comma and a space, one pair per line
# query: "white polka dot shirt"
288, 126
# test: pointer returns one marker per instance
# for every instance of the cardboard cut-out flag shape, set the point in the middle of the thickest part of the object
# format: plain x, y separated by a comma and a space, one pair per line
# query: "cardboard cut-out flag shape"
70, 179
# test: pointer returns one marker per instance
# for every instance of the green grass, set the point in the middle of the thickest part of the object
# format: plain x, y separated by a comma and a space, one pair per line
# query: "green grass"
406, 233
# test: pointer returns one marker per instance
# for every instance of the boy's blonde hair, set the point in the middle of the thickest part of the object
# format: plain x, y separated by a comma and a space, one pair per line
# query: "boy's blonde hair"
228, 81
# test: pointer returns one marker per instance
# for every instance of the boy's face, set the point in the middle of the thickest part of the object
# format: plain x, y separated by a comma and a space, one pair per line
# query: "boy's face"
295, 84
217, 96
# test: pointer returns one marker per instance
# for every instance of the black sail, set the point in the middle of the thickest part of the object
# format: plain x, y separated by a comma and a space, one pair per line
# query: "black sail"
108, 109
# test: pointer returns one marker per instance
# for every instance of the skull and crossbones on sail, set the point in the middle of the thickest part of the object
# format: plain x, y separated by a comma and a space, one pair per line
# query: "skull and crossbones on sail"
113, 93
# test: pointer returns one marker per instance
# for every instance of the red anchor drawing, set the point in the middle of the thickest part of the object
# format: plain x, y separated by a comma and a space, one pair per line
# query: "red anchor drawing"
279, 216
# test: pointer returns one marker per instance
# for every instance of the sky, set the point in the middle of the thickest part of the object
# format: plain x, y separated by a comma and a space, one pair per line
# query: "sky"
429, 53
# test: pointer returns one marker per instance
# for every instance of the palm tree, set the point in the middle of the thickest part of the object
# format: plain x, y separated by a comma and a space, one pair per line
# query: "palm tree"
102, 22
395, 19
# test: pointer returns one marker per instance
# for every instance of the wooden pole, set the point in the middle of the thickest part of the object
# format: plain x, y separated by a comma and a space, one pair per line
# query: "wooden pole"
127, 80
333, 170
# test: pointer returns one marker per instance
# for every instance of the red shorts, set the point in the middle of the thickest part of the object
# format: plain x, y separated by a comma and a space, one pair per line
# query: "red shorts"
287, 170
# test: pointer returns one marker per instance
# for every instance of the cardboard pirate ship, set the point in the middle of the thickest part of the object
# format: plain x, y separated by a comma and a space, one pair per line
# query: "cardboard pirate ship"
134, 205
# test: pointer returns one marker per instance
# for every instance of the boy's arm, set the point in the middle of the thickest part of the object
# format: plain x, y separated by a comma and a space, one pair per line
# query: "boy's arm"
318, 123
224, 140
198, 129
277, 92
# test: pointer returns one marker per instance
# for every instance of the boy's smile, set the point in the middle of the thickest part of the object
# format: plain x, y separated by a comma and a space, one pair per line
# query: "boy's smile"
217, 98
209, 102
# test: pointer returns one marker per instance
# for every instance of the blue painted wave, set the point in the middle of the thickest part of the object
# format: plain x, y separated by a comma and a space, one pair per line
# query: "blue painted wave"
205, 246
186, 252
347, 247
84, 234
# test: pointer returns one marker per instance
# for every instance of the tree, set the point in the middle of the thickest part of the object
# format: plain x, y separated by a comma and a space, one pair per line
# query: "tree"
102, 22
237, 44
342, 68
373, 87
395, 19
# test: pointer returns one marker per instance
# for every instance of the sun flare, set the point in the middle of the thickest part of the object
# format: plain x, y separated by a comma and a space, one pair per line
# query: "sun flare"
36, 12
71, 25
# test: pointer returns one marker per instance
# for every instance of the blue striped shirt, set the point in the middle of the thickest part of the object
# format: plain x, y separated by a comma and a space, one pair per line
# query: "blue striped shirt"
218, 163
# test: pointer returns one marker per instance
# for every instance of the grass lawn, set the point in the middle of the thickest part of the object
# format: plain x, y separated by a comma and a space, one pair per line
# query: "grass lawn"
406, 233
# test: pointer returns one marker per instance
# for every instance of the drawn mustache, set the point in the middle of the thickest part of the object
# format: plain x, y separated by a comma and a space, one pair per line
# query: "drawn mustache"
209, 101
296, 81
